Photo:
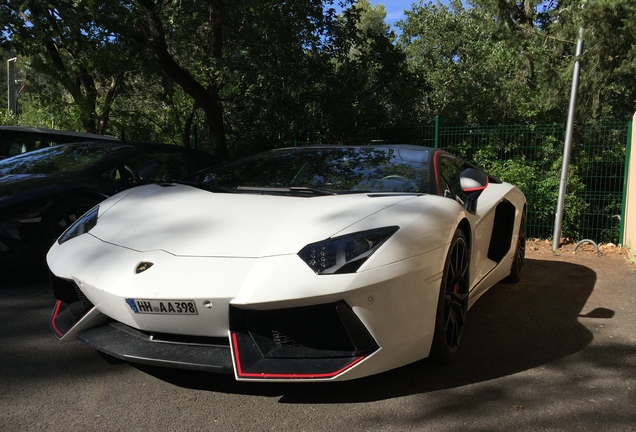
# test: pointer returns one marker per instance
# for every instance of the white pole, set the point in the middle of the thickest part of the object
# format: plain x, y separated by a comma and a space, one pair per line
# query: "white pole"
567, 149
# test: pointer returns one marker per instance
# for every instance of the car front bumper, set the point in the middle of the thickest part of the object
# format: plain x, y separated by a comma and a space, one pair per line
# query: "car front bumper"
266, 319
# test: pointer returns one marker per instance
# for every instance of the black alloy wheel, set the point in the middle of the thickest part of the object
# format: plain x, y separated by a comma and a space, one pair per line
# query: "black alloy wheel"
453, 300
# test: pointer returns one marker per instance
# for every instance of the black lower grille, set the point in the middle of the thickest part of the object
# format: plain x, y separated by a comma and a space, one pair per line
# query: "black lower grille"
306, 342
72, 305
67, 291
317, 328
82, 298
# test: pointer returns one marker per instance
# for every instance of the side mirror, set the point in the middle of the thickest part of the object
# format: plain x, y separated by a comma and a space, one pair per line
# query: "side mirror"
473, 183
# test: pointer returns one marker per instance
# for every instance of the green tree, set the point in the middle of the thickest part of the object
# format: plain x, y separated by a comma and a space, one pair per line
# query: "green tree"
371, 93
544, 34
473, 75
65, 43
276, 63
609, 59
250, 66
160, 27
239, 75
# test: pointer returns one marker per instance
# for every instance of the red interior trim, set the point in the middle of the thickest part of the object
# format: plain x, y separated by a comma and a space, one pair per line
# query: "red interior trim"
435, 157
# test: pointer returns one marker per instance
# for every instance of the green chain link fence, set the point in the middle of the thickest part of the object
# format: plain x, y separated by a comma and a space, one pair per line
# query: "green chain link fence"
530, 156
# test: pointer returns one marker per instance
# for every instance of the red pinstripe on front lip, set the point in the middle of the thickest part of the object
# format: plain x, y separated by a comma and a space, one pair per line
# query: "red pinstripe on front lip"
56, 310
240, 373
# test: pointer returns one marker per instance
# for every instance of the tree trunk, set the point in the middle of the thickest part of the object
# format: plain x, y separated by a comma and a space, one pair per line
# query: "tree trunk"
208, 99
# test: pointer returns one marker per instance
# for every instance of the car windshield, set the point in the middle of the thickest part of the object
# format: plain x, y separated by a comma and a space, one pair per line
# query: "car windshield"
326, 169
59, 159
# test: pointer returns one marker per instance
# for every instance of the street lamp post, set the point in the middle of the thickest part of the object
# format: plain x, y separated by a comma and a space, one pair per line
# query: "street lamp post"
11, 85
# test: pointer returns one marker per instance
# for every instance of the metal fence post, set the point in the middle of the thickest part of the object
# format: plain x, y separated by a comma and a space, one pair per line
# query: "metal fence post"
558, 218
628, 149
436, 131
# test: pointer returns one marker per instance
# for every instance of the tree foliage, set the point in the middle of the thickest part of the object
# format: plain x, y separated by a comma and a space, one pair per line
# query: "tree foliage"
237, 76
609, 61
505, 61
473, 76
70, 56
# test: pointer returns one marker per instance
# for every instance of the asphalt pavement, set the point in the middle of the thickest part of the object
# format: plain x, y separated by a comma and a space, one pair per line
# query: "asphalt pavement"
555, 352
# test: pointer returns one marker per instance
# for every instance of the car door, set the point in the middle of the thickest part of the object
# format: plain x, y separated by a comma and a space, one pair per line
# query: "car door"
448, 174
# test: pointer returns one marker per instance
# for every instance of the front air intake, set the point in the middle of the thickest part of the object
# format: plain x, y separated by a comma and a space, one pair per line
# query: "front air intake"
306, 342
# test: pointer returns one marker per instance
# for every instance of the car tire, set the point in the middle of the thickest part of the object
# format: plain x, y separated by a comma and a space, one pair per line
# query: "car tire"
60, 216
520, 253
452, 305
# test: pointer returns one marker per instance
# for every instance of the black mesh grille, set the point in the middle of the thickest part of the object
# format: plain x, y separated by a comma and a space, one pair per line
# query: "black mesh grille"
317, 328
283, 340
82, 298
67, 291
302, 342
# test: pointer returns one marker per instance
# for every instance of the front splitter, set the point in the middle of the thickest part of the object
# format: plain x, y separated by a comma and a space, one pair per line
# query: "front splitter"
128, 344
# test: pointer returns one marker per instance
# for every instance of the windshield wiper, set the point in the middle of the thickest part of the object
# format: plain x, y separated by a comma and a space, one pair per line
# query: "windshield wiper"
204, 186
312, 191
294, 190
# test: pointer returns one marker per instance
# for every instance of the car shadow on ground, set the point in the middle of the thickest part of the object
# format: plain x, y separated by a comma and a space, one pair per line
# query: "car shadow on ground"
512, 328
25, 268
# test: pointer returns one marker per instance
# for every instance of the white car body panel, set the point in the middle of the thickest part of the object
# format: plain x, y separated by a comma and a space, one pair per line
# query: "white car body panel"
252, 279
241, 250
249, 226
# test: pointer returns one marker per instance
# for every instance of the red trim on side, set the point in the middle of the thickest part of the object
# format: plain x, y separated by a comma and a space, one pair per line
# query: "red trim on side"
56, 310
242, 374
476, 189
435, 173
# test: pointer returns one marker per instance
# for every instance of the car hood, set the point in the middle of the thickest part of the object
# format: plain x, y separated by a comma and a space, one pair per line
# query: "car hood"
188, 221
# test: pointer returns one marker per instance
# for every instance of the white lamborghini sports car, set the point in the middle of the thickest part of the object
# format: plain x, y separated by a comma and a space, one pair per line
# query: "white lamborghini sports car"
322, 263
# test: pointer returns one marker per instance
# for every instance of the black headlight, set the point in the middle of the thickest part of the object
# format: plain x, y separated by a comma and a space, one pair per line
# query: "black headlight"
81, 226
344, 254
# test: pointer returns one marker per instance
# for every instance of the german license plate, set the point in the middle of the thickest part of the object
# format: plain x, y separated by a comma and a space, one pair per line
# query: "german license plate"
162, 307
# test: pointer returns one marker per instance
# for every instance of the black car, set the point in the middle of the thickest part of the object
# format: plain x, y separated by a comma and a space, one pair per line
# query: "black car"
44, 191
15, 140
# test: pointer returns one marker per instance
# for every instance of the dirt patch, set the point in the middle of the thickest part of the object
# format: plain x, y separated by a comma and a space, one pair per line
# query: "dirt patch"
544, 247
610, 260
